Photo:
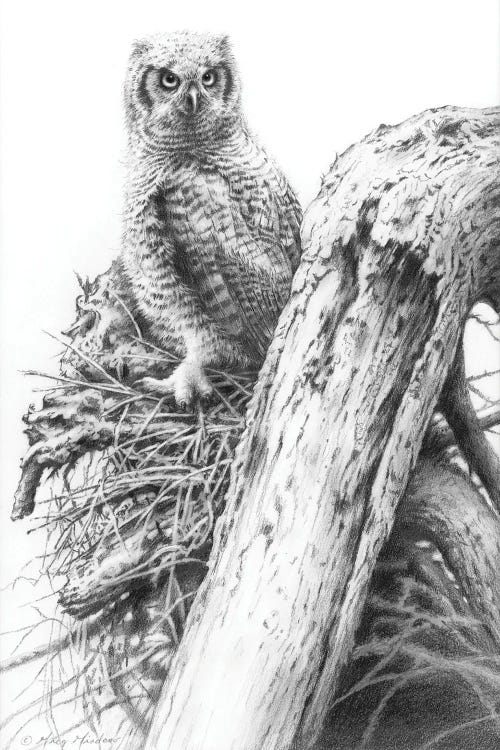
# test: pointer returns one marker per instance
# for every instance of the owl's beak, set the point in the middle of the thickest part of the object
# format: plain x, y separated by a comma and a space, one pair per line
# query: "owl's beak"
192, 100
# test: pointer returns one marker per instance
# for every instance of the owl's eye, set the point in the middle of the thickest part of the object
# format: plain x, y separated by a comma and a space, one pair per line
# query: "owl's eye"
209, 78
169, 80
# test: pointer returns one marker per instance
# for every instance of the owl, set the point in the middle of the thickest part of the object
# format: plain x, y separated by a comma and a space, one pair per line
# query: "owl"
211, 226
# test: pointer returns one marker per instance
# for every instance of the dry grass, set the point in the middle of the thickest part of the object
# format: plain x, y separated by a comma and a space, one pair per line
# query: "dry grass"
132, 530
137, 488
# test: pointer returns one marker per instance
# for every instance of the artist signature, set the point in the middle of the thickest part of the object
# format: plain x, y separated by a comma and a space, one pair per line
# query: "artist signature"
76, 741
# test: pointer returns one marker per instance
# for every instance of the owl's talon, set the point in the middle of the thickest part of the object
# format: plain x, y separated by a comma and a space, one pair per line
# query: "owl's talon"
153, 385
211, 243
187, 384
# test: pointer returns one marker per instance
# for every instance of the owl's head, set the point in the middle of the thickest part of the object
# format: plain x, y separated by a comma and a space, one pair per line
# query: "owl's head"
182, 87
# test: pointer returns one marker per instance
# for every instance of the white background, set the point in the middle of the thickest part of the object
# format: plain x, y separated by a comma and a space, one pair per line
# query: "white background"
317, 76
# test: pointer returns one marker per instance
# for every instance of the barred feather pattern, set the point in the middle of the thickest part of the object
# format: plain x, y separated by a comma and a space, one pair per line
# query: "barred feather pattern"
211, 236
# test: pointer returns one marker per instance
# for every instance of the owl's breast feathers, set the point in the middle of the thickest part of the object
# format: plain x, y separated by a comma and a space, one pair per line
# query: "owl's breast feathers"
236, 239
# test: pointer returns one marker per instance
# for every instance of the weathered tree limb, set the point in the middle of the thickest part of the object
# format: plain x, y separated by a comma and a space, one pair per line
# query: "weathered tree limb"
416, 624
439, 436
441, 504
402, 240
469, 434
425, 661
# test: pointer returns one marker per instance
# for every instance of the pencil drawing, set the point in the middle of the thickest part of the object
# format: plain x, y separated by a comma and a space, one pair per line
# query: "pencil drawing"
211, 237
274, 517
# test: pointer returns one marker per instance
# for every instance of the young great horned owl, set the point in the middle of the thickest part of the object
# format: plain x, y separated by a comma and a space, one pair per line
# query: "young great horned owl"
211, 235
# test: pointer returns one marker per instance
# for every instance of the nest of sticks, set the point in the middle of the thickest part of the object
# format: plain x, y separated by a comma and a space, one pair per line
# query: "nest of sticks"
142, 485
139, 489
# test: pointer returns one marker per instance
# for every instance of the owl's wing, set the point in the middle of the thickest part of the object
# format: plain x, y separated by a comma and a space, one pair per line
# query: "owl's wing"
290, 212
240, 270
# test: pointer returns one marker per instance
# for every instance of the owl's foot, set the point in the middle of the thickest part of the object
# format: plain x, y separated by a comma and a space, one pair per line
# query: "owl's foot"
187, 384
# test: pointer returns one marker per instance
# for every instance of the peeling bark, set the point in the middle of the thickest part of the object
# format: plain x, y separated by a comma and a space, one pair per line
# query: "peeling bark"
400, 243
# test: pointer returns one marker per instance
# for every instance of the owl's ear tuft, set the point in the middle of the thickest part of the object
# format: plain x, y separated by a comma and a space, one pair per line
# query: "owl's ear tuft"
139, 47
224, 44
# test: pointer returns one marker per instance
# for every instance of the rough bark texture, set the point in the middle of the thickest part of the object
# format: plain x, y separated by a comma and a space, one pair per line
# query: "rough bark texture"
462, 418
401, 241
128, 601
442, 505
425, 670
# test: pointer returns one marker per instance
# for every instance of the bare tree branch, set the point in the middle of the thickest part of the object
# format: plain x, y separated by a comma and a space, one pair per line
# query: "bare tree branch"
400, 243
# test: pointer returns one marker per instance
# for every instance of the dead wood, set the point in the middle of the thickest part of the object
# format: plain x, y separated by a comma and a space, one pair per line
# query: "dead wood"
401, 242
